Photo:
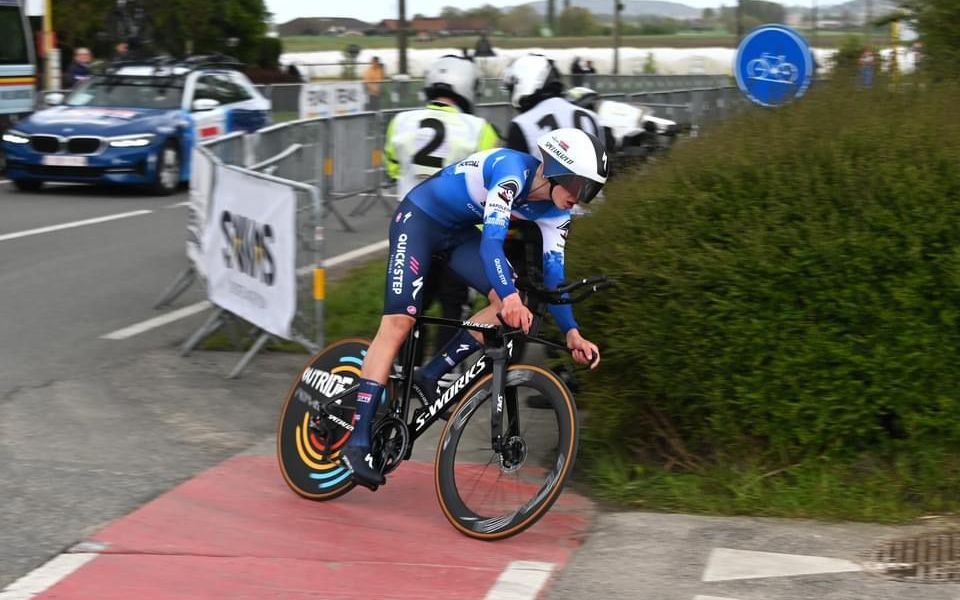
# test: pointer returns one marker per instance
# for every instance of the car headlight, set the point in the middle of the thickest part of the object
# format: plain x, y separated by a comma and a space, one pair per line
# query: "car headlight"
132, 141
15, 137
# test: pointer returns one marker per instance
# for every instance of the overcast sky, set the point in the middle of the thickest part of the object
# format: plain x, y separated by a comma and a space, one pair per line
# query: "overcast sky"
374, 10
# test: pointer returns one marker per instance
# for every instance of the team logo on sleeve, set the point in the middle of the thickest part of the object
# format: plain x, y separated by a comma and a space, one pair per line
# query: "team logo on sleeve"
508, 190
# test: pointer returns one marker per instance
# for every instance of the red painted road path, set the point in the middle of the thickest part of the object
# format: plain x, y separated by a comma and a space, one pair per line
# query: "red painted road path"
236, 531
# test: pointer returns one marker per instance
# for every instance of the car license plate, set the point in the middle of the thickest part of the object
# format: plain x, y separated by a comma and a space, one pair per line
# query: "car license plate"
65, 161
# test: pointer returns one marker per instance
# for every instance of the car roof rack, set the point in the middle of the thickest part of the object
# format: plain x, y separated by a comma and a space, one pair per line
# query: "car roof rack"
165, 65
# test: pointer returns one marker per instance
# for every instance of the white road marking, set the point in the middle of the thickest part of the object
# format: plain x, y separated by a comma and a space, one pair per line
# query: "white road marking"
186, 311
170, 317
45, 576
725, 564
348, 256
521, 580
72, 224
178, 204
712, 598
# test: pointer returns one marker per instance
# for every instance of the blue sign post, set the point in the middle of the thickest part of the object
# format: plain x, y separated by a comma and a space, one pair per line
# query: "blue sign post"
774, 65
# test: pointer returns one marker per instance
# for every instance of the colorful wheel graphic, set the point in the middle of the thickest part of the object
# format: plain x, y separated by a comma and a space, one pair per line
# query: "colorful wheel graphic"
309, 457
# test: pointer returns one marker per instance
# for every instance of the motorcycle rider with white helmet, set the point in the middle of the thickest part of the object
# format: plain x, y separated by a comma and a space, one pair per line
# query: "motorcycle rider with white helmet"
536, 90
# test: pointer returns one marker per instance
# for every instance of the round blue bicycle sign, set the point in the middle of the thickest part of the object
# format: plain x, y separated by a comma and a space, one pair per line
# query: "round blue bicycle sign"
774, 65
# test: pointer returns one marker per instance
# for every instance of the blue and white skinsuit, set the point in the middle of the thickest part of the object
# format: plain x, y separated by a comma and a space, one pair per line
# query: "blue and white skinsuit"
441, 213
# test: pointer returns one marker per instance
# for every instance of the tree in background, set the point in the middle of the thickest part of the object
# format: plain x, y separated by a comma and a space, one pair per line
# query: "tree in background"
489, 12
755, 13
576, 21
938, 22
521, 20
650, 65
179, 27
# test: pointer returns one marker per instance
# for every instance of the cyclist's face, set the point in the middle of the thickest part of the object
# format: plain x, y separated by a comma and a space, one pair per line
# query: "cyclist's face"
562, 197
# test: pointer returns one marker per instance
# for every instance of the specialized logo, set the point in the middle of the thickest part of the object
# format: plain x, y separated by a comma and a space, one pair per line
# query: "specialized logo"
558, 152
417, 286
508, 190
479, 325
247, 246
451, 392
328, 384
398, 261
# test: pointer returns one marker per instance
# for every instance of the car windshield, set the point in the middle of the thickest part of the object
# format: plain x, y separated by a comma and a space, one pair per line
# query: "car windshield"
128, 92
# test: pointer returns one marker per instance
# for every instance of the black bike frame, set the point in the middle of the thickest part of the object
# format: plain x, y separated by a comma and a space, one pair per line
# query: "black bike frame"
498, 349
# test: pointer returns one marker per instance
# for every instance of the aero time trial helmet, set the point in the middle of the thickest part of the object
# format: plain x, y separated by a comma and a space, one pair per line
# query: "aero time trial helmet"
575, 160
456, 78
531, 78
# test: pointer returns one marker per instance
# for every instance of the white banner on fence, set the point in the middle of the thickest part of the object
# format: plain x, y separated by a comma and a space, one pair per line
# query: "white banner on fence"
249, 246
201, 186
331, 99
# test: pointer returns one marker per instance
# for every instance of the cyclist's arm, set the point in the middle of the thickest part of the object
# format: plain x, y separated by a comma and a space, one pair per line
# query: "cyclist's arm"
506, 181
553, 231
496, 219
390, 152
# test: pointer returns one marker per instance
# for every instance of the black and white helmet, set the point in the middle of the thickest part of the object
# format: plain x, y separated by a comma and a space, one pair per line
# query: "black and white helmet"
531, 78
575, 160
583, 96
455, 77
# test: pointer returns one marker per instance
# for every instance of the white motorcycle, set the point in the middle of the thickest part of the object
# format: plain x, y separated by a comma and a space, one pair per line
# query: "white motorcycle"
635, 131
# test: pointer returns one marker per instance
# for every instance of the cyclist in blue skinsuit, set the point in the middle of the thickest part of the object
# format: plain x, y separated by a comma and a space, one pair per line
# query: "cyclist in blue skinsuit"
441, 214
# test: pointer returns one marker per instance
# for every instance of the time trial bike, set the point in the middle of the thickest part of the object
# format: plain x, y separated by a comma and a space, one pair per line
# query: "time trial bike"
502, 459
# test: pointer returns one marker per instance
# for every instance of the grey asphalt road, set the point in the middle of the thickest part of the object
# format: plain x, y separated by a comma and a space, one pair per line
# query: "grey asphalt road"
92, 428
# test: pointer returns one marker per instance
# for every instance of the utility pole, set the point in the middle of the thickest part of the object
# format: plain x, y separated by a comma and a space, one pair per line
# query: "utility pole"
51, 53
739, 21
550, 15
815, 18
402, 37
617, 7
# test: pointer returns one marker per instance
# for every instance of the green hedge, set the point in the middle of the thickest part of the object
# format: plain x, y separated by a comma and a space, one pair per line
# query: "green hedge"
788, 310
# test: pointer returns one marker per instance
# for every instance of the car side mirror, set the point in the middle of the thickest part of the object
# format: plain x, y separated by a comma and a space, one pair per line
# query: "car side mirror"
53, 98
202, 104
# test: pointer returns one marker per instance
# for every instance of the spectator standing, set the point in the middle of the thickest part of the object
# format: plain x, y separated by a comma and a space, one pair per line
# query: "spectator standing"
373, 82
868, 65
79, 69
121, 51
293, 71
576, 72
589, 74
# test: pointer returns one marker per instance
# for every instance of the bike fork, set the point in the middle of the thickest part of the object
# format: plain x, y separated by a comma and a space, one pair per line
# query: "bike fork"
499, 356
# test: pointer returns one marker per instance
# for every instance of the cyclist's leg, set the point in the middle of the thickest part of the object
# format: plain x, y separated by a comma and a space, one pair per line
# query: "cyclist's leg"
414, 237
463, 263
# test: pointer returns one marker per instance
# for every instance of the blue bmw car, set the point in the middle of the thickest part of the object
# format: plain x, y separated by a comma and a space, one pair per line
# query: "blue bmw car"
134, 125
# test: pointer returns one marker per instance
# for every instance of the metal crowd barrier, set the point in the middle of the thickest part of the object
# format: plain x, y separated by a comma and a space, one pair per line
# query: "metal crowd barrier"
326, 160
405, 93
